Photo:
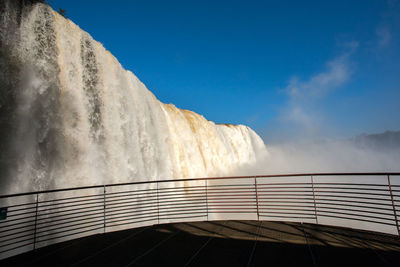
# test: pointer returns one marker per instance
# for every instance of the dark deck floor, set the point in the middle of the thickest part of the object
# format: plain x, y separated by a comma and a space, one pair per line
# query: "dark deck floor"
221, 243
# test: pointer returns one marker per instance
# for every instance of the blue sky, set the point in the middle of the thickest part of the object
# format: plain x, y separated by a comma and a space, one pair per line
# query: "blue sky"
285, 68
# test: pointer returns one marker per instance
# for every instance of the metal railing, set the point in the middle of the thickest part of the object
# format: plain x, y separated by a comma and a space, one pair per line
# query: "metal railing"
356, 200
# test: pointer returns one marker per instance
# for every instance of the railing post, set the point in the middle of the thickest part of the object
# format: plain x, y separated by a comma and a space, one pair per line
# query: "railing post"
255, 188
315, 205
36, 219
206, 198
393, 205
158, 207
104, 208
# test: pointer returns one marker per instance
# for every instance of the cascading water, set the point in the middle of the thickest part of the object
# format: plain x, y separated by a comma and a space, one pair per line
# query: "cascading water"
70, 115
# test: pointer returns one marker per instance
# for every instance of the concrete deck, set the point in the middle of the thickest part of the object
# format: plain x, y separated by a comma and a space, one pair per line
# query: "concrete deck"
221, 243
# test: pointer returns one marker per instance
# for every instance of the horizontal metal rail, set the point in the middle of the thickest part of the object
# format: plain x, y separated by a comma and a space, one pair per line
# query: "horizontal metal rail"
362, 200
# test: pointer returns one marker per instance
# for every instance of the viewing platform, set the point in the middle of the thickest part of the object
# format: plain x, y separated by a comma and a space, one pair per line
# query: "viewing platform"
221, 243
319, 219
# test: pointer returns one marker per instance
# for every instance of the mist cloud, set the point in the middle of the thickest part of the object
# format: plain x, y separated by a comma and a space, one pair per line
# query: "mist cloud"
337, 73
324, 156
302, 146
301, 115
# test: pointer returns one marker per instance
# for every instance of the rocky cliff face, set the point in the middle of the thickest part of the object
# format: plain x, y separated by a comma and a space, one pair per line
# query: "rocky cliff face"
70, 114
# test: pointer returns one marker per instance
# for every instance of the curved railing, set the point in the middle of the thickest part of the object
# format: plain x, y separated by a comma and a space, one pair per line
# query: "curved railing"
356, 200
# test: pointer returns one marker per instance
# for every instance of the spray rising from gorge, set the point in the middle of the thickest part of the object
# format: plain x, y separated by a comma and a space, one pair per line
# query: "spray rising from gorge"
71, 115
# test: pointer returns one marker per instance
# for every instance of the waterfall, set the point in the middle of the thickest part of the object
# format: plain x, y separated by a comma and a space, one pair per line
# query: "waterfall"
71, 115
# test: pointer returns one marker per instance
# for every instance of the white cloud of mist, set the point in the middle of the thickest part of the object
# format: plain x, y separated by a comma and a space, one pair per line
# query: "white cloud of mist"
305, 148
300, 113
324, 156
336, 74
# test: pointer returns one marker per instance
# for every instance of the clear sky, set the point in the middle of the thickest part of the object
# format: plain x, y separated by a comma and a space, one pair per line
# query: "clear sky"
285, 68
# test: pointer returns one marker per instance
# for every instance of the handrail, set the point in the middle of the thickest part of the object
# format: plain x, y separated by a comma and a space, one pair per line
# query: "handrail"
205, 178
52, 216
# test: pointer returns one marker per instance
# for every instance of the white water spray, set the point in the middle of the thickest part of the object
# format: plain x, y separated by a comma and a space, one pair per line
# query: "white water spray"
81, 119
